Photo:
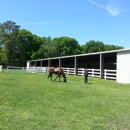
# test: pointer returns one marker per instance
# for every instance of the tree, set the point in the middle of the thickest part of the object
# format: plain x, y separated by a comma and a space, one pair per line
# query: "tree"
3, 58
0, 36
50, 48
9, 32
18, 46
94, 46
112, 47
27, 46
83, 49
68, 46
97, 46
36, 49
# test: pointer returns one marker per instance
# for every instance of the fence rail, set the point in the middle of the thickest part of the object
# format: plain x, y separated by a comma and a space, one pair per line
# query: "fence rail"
70, 71
108, 74
91, 72
37, 69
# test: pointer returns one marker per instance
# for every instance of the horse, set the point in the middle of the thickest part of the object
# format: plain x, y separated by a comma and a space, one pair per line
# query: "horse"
58, 71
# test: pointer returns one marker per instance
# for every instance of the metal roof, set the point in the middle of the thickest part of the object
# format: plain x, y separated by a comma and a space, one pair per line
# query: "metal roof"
95, 53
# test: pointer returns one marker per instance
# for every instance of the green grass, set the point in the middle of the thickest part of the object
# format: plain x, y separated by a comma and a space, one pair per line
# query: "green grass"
31, 102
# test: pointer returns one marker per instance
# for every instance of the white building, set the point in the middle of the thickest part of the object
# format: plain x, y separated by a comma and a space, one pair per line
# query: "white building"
107, 64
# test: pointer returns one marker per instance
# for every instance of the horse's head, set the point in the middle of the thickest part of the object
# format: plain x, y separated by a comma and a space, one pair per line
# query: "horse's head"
64, 79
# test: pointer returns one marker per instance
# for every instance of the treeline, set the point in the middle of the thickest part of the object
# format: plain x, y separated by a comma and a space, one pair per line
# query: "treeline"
19, 45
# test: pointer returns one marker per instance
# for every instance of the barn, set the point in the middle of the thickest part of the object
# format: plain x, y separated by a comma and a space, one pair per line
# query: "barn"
112, 65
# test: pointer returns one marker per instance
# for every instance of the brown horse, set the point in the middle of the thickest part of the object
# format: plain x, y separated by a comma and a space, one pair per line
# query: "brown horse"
58, 71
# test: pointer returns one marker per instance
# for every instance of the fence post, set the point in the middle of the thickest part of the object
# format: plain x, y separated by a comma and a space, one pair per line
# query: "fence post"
74, 70
22, 69
82, 72
46, 70
67, 70
92, 72
105, 73
0, 68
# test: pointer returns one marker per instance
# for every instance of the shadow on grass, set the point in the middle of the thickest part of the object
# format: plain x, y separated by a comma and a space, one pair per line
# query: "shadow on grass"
88, 83
59, 81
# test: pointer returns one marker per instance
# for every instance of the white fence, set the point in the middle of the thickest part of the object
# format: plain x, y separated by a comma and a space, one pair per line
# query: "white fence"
70, 71
91, 72
0, 68
37, 69
108, 74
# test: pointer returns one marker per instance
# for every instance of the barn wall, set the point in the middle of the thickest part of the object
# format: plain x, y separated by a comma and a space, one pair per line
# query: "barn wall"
123, 67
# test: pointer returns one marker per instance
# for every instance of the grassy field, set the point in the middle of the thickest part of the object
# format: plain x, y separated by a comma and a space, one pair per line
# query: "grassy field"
31, 102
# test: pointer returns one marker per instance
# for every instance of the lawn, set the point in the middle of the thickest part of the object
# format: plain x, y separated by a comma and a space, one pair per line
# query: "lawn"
31, 102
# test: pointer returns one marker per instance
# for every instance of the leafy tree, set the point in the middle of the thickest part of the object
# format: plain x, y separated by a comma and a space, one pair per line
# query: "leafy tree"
27, 45
21, 45
1, 36
43, 51
94, 46
9, 32
83, 49
3, 58
68, 46
36, 50
50, 47
112, 47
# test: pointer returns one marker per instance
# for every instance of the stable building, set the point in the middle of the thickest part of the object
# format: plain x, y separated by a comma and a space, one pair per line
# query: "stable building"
105, 65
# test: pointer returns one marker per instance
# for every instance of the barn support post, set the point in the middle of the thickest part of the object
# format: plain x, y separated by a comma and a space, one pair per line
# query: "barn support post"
49, 63
28, 64
41, 63
76, 65
101, 66
60, 62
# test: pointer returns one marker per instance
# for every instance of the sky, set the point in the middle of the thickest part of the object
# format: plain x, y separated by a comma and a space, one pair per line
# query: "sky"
107, 21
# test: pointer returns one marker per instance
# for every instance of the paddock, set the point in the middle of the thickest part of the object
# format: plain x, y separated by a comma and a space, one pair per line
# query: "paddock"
112, 65
30, 101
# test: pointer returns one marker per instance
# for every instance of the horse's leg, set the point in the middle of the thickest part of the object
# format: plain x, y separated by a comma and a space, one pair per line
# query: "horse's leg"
51, 76
59, 78
48, 76
56, 77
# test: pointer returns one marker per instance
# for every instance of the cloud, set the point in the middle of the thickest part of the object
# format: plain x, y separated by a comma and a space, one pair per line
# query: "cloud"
110, 8
113, 10
40, 23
